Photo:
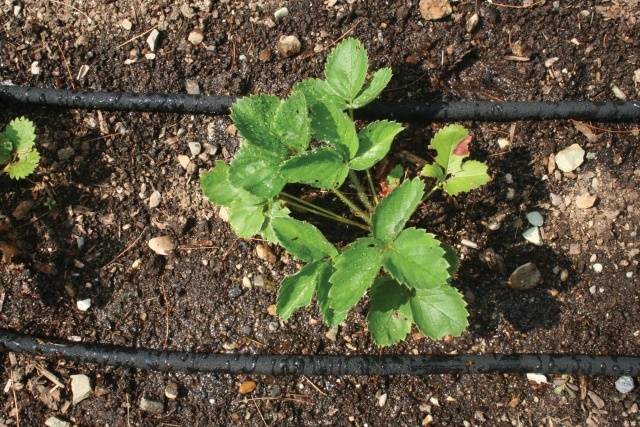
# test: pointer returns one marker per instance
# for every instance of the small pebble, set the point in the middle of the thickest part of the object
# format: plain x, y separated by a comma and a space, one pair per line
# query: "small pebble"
535, 218
273, 326
154, 199
629, 274
195, 148
597, 267
288, 46
469, 244
525, 277
171, 391
265, 253
472, 23
281, 13
625, 384
195, 37
80, 388
184, 161
223, 214
56, 422
247, 387
235, 292
192, 87
432, 10
532, 235
162, 245
151, 406
537, 378
84, 304
152, 39
585, 201
570, 158
126, 24
503, 143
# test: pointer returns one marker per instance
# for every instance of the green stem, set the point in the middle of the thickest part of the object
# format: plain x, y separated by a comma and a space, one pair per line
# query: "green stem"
362, 195
372, 188
356, 210
309, 204
426, 196
337, 218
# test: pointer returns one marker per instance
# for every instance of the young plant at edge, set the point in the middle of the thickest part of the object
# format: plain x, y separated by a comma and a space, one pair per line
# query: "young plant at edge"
311, 138
18, 156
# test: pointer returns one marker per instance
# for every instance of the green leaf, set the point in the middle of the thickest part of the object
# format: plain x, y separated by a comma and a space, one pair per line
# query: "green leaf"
416, 259
323, 168
472, 175
335, 127
346, 68
379, 81
277, 210
445, 141
257, 171
215, 185
254, 117
389, 318
24, 166
374, 143
22, 135
302, 240
292, 123
393, 212
246, 219
355, 270
330, 317
6, 148
433, 170
394, 177
452, 258
317, 91
297, 290
439, 312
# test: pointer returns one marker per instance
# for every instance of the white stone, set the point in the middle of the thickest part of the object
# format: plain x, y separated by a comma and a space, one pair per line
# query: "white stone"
618, 93
184, 161
35, 68
192, 87
162, 245
281, 13
80, 388
56, 422
503, 143
154, 199
195, 148
570, 158
195, 37
152, 39
469, 244
84, 304
625, 384
126, 24
535, 218
223, 213
597, 267
532, 235
537, 378
288, 46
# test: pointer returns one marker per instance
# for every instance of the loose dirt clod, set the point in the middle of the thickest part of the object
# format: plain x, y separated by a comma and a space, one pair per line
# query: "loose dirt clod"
432, 10
585, 201
247, 387
195, 37
288, 46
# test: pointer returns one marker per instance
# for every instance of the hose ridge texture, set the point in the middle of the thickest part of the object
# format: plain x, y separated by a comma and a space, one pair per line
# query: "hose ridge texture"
317, 365
611, 111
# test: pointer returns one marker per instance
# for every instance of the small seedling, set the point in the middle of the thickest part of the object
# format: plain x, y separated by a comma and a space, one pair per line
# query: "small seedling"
17, 151
311, 138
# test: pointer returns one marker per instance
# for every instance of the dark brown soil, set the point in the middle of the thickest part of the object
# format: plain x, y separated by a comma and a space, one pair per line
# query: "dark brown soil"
90, 208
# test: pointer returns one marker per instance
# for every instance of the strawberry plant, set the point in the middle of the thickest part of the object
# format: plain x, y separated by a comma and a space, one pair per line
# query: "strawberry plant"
17, 151
311, 139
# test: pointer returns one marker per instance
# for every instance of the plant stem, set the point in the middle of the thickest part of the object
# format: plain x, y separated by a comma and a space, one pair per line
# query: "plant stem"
426, 196
356, 210
372, 187
309, 204
362, 195
334, 217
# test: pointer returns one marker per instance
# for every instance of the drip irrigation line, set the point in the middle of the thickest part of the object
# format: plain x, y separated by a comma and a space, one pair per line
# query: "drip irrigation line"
317, 365
611, 111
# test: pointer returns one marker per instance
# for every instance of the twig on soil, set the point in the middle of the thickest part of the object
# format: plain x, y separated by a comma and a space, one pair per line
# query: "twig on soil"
516, 6
250, 399
15, 400
127, 249
48, 375
66, 64
126, 396
70, 6
314, 386
136, 37
606, 130
260, 413
345, 34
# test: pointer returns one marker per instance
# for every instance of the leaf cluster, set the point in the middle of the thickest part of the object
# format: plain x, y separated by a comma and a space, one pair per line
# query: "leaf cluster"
311, 138
17, 151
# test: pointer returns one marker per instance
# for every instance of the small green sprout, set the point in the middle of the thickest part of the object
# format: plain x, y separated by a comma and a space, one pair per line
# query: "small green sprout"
311, 138
17, 151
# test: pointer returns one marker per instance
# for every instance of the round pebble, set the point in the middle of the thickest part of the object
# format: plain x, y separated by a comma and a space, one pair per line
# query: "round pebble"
235, 292
597, 267
625, 384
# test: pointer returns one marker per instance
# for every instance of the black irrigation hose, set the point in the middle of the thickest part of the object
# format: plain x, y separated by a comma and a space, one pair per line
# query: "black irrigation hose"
318, 365
408, 111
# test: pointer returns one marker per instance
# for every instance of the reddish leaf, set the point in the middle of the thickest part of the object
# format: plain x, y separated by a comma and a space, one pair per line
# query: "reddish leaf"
462, 149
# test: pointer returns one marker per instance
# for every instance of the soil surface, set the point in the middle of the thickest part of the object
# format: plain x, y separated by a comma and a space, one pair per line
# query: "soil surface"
83, 230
